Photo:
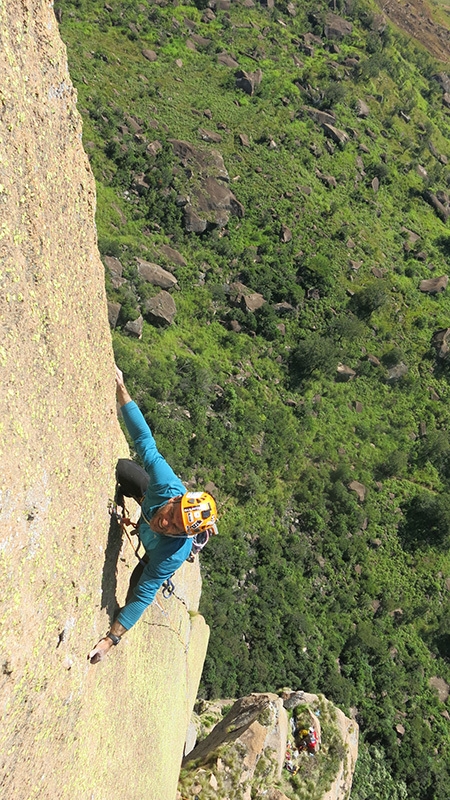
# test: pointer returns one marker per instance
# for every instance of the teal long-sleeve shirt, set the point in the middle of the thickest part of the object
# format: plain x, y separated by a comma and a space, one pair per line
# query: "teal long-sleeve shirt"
166, 553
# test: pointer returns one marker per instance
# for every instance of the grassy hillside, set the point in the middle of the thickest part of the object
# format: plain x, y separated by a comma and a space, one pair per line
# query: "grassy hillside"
308, 584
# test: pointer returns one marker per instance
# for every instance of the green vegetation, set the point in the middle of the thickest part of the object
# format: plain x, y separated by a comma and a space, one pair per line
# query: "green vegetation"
307, 585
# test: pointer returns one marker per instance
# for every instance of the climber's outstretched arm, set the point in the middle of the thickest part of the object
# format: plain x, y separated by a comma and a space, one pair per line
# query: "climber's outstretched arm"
104, 645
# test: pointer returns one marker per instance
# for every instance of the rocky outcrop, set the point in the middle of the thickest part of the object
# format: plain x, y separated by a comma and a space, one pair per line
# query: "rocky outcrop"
60, 571
211, 200
258, 729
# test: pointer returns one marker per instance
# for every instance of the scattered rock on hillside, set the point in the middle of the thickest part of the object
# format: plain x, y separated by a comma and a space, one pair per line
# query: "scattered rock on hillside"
328, 180
251, 302
244, 140
209, 136
322, 117
362, 109
336, 27
192, 222
283, 308
373, 360
375, 184
345, 373
201, 41
285, 234
113, 313
442, 687
135, 327
227, 61
441, 340
444, 81
153, 148
442, 210
161, 309
208, 15
396, 373
139, 184
434, 285
208, 162
248, 81
412, 236
172, 255
156, 275
360, 490
115, 269
150, 55
338, 136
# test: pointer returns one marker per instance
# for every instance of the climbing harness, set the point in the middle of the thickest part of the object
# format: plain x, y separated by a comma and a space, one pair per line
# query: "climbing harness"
123, 520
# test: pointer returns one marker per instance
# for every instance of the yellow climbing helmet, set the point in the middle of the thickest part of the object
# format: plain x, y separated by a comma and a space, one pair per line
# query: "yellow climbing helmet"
199, 513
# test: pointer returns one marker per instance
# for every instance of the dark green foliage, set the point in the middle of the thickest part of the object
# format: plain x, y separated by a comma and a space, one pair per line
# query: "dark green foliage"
373, 297
317, 354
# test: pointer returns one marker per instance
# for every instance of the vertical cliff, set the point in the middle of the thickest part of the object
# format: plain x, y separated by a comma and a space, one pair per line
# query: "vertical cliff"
68, 729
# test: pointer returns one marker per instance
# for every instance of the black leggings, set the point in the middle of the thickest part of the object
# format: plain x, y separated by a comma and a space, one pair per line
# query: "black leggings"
132, 479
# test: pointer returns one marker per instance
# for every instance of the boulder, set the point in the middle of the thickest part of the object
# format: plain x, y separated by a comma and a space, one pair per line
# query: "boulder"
115, 270
135, 327
173, 255
338, 136
285, 234
362, 109
161, 309
153, 148
283, 308
251, 302
156, 275
248, 81
328, 180
444, 81
150, 55
441, 686
227, 61
360, 490
345, 373
322, 117
208, 162
441, 340
216, 199
192, 222
139, 184
336, 27
443, 211
209, 136
434, 285
397, 373
113, 313
373, 360
201, 41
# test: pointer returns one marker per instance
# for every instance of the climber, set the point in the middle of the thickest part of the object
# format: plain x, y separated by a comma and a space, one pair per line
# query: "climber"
311, 741
170, 518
